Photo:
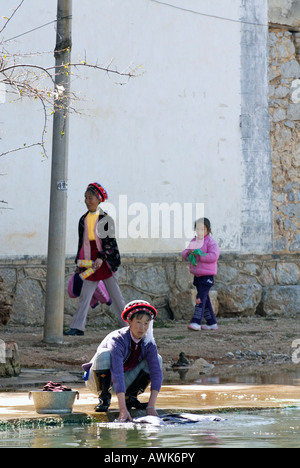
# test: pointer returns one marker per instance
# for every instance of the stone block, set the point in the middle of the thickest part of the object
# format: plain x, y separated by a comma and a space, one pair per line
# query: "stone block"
287, 274
148, 278
29, 303
239, 299
293, 112
182, 303
281, 300
290, 69
5, 303
9, 359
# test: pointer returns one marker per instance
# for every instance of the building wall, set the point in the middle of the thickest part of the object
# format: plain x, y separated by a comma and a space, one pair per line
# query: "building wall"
285, 132
194, 127
173, 135
257, 229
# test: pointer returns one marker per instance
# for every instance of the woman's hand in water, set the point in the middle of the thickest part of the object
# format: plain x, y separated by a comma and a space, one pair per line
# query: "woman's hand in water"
124, 415
152, 412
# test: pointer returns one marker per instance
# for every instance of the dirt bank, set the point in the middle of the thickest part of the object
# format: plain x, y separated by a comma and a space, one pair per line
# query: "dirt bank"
245, 346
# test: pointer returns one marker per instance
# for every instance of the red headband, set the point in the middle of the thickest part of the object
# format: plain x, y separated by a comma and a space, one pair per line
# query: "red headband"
138, 306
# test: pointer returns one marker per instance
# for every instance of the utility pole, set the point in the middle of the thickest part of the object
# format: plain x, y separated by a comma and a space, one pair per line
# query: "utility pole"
54, 310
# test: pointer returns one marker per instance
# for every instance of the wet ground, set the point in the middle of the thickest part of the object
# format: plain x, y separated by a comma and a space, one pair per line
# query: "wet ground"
252, 416
203, 396
252, 381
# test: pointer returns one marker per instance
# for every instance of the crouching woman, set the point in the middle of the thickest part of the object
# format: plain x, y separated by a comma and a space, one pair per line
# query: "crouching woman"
127, 361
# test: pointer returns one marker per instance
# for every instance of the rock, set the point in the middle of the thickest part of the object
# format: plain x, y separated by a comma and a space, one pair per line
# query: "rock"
29, 303
5, 303
288, 274
239, 299
182, 361
202, 366
281, 300
9, 359
290, 69
182, 303
251, 354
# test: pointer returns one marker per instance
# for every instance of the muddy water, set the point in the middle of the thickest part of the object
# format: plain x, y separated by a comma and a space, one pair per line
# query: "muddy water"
268, 416
229, 396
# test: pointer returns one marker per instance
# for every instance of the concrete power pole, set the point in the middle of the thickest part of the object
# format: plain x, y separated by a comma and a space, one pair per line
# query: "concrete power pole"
54, 311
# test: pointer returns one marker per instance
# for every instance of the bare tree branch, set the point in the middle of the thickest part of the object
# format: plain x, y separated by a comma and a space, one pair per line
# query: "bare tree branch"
37, 82
11, 16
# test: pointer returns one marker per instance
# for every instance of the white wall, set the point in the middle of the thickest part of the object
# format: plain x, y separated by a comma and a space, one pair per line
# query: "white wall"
169, 135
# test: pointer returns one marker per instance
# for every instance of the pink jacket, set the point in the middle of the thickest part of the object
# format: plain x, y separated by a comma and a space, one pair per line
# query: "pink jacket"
208, 265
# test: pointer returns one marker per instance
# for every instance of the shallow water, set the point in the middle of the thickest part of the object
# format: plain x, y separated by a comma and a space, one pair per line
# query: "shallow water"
258, 429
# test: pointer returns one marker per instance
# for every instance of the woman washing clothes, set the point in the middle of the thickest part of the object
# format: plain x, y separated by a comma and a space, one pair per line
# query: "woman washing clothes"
97, 242
126, 361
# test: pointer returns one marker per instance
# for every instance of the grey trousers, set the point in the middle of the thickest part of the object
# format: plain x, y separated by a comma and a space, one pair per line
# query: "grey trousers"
87, 292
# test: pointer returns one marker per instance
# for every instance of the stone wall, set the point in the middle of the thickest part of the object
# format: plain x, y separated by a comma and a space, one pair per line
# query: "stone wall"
284, 105
5, 303
245, 285
9, 359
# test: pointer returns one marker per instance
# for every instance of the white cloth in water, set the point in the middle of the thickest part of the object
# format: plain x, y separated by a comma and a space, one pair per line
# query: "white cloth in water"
172, 419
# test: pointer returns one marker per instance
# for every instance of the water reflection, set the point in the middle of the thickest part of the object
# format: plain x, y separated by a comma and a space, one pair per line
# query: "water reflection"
259, 428
184, 377
263, 429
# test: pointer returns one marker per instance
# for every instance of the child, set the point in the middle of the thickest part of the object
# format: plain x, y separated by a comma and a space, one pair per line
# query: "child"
128, 360
203, 253
97, 242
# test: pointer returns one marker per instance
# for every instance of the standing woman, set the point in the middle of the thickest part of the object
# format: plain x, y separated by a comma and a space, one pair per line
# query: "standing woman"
97, 242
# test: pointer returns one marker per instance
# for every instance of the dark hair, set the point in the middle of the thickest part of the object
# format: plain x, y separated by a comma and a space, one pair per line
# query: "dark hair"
93, 192
140, 314
204, 221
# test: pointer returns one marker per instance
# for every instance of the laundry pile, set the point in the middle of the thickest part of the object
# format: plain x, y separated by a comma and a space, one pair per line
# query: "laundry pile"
55, 387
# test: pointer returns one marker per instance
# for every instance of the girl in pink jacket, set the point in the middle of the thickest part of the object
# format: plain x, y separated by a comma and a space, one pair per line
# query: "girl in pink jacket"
203, 253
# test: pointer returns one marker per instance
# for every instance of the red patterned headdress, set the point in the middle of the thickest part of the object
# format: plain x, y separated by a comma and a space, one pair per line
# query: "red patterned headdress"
98, 190
138, 306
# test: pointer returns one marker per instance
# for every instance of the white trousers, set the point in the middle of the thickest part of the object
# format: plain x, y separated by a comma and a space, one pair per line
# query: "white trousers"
87, 292
102, 361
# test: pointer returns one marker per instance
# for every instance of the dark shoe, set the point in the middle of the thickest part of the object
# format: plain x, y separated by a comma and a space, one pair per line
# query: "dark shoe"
136, 388
104, 404
133, 402
103, 382
74, 332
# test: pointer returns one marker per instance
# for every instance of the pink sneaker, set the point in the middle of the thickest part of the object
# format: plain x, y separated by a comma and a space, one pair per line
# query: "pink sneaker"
194, 327
210, 327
